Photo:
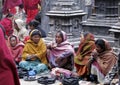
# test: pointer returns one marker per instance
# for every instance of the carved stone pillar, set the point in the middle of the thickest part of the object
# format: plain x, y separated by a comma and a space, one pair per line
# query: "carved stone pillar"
65, 15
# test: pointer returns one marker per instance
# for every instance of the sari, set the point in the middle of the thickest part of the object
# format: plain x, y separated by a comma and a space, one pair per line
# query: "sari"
8, 71
63, 50
83, 55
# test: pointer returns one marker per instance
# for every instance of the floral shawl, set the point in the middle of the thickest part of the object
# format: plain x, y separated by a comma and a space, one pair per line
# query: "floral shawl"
85, 49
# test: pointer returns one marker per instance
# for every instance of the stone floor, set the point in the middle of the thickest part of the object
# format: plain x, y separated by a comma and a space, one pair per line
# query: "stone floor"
22, 82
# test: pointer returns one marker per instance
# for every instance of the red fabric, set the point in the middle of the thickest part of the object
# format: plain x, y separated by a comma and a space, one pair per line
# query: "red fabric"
26, 38
31, 14
17, 49
8, 72
8, 4
31, 8
13, 10
7, 24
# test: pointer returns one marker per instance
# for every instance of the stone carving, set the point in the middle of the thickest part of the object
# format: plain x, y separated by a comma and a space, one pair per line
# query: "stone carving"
67, 16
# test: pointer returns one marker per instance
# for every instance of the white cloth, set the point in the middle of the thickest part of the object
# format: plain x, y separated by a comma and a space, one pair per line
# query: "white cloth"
95, 71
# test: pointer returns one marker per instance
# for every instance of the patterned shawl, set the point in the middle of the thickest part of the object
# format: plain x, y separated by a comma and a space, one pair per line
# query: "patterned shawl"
86, 47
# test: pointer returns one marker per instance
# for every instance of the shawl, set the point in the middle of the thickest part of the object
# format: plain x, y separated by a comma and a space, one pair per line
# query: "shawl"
8, 71
106, 59
85, 49
60, 49
38, 49
16, 50
7, 24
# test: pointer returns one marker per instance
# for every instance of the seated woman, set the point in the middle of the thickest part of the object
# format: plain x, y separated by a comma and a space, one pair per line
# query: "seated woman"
16, 48
83, 55
105, 59
61, 52
34, 54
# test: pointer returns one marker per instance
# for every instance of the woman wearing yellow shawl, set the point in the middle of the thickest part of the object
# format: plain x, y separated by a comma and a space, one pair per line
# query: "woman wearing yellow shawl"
34, 54
82, 59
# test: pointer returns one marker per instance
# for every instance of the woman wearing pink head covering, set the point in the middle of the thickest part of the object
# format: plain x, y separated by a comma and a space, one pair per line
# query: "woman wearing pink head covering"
8, 72
16, 47
59, 55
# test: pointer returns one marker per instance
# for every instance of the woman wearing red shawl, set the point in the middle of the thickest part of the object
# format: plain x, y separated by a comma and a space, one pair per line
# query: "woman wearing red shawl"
31, 9
8, 71
105, 59
61, 53
16, 48
7, 24
83, 54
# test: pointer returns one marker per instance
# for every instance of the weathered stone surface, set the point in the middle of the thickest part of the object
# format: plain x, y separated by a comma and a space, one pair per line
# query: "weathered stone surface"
104, 17
65, 15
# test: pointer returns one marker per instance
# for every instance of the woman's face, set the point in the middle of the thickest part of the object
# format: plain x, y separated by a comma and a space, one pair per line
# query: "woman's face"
16, 26
36, 39
13, 41
58, 38
30, 27
98, 48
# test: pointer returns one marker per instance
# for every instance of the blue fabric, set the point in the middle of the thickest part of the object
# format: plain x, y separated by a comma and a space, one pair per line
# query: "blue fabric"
31, 73
33, 65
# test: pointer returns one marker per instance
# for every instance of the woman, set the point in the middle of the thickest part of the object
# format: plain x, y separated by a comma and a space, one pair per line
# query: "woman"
34, 54
105, 59
20, 29
61, 52
16, 47
8, 72
83, 54
7, 24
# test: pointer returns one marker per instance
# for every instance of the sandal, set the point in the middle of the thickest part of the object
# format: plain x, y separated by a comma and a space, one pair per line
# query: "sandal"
46, 80
29, 78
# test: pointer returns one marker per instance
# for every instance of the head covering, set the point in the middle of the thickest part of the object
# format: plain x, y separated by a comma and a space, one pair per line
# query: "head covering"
88, 38
64, 35
20, 23
61, 49
17, 49
85, 49
7, 25
35, 32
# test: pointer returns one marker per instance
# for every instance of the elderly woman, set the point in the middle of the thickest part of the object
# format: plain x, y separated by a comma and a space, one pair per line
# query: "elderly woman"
105, 59
83, 55
61, 52
34, 54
